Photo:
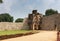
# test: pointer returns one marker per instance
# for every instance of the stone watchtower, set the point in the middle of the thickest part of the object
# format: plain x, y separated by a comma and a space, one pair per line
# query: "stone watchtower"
34, 20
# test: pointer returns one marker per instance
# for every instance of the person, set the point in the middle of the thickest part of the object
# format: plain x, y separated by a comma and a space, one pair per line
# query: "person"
58, 38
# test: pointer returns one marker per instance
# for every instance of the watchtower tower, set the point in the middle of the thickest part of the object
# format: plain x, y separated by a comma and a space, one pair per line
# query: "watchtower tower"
34, 20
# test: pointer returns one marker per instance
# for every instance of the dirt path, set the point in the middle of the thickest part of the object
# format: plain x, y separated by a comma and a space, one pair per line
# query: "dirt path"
42, 36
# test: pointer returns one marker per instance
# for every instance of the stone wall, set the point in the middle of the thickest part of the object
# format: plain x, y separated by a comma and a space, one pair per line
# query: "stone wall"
58, 21
51, 22
25, 24
37, 21
10, 26
14, 26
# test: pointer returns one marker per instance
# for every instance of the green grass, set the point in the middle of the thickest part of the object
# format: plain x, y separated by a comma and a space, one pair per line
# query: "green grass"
14, 32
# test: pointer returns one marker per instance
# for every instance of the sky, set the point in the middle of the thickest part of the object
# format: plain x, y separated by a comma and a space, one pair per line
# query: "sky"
21, 8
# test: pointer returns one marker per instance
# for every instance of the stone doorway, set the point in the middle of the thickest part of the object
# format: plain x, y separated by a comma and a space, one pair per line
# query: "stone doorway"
55, 27
35, 27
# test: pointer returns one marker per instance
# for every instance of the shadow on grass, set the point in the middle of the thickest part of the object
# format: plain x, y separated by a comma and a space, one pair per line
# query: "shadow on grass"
15, 35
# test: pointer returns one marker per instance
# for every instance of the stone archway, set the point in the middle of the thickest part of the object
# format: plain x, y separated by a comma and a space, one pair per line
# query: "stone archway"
35, 26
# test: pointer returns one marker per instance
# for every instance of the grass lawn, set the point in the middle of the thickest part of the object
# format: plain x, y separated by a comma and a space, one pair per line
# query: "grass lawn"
14, 32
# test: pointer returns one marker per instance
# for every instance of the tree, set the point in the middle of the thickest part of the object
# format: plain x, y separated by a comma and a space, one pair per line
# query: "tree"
19, 20
1, 1
6, 18
50, 12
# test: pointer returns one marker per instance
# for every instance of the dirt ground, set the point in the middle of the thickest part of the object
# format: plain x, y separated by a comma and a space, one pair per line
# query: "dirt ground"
41, 36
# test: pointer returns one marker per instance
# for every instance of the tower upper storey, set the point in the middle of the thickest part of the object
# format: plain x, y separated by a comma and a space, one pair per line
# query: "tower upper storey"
34, 12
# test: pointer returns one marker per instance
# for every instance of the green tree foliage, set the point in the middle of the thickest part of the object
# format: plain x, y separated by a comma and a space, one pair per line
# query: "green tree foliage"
19, 20
1, 1
50, 12
6, 18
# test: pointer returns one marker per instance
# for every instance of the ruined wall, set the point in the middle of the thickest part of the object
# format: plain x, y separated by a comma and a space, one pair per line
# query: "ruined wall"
34, 20
25, 24
14, 26
10, 26
58, 21
51, 22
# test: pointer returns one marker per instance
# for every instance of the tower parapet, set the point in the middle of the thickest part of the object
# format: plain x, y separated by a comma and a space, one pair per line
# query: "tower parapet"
34, 12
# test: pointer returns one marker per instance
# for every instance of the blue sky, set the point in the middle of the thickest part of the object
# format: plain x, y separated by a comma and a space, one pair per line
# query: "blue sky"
21, 8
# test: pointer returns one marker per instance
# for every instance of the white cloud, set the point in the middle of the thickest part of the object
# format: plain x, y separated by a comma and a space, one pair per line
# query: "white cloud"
47, 3
6, 5
40, 5
56, 5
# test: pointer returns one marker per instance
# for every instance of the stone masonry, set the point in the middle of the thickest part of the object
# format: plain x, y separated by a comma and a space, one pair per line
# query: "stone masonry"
51, 22
34, 20
38, 21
